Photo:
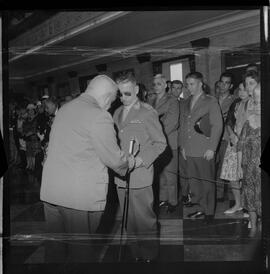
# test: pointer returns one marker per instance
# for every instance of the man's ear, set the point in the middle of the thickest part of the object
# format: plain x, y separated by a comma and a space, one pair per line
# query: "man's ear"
137, 89
231, 86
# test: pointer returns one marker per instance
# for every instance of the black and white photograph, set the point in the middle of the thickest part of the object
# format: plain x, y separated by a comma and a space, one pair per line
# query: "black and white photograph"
135, 138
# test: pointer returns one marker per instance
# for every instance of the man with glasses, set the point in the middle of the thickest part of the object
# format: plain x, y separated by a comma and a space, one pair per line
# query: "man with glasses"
139, 121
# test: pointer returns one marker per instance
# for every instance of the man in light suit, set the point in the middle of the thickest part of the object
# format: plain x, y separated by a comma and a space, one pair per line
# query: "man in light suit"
139, 120
168, 111
198, 148
75, 180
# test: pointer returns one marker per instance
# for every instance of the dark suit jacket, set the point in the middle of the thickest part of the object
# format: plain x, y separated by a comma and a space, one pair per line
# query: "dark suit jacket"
141, 122
225, 106
194, 143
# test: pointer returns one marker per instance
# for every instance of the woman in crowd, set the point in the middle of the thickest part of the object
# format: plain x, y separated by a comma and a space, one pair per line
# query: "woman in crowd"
142, 92
236, 118
31, 138
249, 153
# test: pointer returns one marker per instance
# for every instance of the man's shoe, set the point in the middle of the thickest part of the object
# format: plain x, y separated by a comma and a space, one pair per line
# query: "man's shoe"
233, 210
163, 203
196, 214
144, 260
208, 219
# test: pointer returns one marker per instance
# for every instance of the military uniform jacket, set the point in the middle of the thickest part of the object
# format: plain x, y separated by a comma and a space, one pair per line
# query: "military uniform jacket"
141, 122
194, 143
168, 112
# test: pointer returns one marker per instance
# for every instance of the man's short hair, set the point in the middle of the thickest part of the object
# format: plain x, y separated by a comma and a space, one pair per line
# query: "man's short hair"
51, 100
126, 77
177, 82
160, 76
195, 75
227, 74
252, 65
253, 74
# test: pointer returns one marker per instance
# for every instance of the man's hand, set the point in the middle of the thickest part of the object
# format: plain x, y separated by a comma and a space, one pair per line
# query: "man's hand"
131, 162
184, 153
233, 139
240, 172
138, 162
208, 155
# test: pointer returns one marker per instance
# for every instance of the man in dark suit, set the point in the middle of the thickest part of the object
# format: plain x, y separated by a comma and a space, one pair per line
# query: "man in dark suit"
199, 149
225, 99
168, 110
139, 120
183, 191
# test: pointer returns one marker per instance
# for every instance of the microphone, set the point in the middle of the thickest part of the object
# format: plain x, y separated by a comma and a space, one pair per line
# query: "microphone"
131, 146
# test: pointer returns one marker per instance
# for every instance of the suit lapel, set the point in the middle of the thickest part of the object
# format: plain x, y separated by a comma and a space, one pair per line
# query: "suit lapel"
197, 104
161, 101
188, 104
120, 116
131, 114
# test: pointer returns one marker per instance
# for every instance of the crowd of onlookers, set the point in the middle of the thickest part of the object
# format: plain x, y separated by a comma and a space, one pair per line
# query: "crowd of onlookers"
236, 157
29, 128
238, 153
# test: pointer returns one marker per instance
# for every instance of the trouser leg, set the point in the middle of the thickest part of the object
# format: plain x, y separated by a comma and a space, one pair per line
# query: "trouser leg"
184, 189
207, 172
163, 190
83, 225
221, 186
168, 184
202, 187
74, 231
142, 222
55, 248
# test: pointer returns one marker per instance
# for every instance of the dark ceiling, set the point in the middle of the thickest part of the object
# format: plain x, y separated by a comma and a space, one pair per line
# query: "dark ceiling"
19, 21
97, 44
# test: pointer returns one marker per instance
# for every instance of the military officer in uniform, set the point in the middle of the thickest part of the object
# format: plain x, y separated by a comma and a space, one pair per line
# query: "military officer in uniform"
198, 147
139, 120
168, 110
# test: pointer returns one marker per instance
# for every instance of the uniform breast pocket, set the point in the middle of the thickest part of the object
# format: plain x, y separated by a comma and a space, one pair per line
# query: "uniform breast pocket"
138, 132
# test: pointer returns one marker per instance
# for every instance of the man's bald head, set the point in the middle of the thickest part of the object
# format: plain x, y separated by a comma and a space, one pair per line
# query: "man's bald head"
103, 89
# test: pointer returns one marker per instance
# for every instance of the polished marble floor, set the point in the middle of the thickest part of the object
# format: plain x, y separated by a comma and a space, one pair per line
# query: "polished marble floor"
180, 239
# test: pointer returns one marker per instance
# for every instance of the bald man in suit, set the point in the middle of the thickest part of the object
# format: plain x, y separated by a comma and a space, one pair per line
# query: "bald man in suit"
74, 183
